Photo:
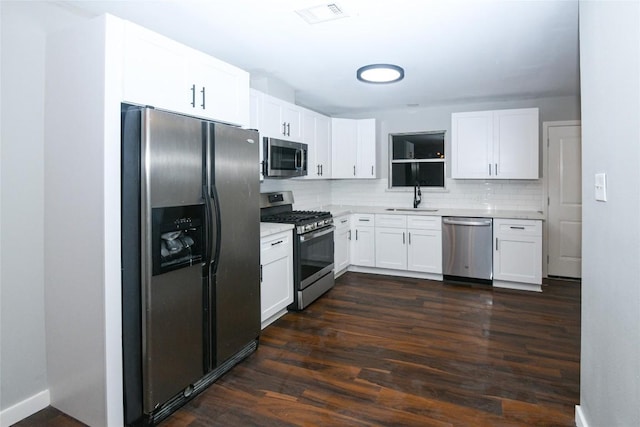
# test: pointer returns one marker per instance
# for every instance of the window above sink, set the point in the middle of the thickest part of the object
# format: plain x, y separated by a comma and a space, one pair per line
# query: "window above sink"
417, 157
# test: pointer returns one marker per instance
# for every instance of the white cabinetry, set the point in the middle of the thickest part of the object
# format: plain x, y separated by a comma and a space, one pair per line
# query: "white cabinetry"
316, 133
412, 243
363, 247
517, 253
276, 275
424, 250
353, 148
342, 244
499, 144
280, 119
391, 241
168, 75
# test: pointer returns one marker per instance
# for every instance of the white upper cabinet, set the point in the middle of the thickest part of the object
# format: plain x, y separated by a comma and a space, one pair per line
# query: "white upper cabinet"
316, 132
499, 144
280, 119
168, 75
353, 148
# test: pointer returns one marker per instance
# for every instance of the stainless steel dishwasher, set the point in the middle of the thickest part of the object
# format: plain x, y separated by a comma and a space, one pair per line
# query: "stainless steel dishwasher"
467, 249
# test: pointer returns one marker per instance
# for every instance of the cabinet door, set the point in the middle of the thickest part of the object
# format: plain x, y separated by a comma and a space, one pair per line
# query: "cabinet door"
516, 144
292, 117
391, 248
344, 146
366, 150
222, 90
323, 145
363, 248
472, 145
271, 123
156, 71
517, 251
424, 252
276, 259
342, 252
309, 138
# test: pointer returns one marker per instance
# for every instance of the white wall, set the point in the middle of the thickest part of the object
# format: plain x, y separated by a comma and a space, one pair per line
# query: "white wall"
23, 379
610, 79
23, 362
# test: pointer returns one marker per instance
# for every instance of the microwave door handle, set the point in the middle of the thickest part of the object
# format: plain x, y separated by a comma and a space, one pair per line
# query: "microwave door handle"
303, 159
298, 166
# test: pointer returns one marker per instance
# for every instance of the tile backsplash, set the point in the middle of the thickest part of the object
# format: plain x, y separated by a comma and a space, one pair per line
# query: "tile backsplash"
475, 194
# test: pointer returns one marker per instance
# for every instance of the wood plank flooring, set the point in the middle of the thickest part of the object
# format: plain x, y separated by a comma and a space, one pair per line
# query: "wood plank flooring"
390, 351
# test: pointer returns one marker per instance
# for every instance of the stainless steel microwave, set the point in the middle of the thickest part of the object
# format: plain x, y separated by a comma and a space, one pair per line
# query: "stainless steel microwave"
283, 159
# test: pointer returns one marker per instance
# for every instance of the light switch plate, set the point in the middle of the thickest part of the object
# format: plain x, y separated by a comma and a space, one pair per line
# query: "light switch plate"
601, 187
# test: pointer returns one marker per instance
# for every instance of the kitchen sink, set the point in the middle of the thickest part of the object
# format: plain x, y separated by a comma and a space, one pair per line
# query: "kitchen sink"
410, 210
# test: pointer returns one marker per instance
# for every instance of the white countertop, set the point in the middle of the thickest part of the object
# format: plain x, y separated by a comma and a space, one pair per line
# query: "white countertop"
269, 228
338, 210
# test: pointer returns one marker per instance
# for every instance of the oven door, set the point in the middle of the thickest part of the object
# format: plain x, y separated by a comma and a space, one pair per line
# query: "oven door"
315, 256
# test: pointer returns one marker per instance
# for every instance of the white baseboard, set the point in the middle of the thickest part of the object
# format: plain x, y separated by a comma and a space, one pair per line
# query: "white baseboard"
581, 421
22, 410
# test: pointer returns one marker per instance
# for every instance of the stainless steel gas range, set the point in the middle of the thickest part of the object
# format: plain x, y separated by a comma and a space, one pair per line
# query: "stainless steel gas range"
312, 249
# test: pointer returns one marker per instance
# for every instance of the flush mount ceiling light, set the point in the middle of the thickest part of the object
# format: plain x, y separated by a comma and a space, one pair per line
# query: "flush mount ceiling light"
380, 73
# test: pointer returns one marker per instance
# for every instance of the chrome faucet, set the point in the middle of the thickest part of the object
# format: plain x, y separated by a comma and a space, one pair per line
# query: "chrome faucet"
417, 195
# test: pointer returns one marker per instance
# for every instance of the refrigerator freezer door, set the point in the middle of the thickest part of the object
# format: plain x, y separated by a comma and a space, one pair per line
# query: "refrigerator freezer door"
235, 183
173, 302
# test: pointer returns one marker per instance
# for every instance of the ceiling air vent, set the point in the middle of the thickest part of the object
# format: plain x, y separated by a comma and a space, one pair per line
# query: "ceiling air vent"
322, 13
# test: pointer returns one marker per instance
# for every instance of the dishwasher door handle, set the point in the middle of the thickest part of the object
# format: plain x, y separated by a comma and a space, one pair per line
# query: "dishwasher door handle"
477, 223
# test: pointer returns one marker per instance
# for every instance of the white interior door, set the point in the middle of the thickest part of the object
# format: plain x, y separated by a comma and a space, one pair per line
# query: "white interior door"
565, 201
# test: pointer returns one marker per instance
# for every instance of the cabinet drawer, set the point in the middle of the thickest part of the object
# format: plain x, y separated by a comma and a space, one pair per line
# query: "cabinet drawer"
342, 222
394, 221
275, 246
517, 227
424, 222
363, 220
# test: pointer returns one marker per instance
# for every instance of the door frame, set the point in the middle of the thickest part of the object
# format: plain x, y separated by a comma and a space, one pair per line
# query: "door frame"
545, 187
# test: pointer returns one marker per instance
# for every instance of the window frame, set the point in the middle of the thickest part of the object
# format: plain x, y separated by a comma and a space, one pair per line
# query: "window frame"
391, 162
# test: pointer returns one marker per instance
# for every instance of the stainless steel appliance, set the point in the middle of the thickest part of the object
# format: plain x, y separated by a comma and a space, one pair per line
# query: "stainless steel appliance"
312, 249
467, 251
284, 159
190, 257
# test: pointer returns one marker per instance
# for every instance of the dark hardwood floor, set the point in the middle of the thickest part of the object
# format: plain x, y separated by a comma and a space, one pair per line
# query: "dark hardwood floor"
390, 351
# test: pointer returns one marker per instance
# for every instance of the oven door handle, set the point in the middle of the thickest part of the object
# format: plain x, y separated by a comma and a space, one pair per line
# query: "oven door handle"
309, 236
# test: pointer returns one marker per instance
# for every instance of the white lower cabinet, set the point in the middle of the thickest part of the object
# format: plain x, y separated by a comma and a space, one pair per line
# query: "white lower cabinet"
517, 251
410, 243
276, 276
424, 250
363, 243
342, 244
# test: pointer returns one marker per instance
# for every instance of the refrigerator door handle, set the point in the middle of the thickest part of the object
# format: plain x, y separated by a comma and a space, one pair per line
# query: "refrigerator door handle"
218, 229
208, 214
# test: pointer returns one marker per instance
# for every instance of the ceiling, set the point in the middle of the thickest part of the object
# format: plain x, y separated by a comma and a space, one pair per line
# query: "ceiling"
452, 51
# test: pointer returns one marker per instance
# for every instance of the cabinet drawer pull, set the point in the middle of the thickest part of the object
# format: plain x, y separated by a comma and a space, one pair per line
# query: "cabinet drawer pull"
193, 96
496, 169
356, 234
277, 243
513, 227
343, 220
372, 170
354, 170
288, 129
349, 234
403, 238
489, 169
284, 128
497, 248
409, 237
203, 100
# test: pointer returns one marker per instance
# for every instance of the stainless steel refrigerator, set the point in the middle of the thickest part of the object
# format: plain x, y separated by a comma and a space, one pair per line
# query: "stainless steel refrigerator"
190, 257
